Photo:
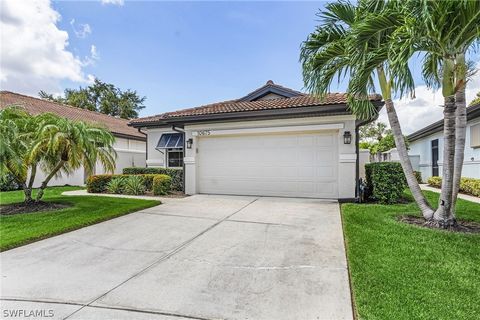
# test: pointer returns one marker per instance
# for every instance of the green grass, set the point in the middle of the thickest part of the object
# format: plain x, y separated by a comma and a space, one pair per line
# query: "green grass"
20, 229
401, 271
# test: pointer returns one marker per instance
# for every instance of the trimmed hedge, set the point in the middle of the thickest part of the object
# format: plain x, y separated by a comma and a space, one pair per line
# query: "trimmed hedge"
385, 181
99, 183
418, 176
161, 184
175, 174
467, 185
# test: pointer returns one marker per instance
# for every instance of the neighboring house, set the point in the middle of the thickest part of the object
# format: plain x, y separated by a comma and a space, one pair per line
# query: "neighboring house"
274, 141
130, 144
427, 143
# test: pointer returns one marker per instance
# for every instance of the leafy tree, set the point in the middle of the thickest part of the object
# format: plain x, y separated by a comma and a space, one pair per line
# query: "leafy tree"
475, 100
102, 97
374, 131
343, 47
51, 143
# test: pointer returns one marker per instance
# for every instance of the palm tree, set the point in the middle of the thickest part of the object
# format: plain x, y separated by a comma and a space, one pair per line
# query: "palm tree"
70, 145
448, 30
339, 48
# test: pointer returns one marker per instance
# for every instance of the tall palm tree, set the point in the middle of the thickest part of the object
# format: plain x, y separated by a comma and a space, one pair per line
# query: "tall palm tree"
448, 30
70, 145
337, 49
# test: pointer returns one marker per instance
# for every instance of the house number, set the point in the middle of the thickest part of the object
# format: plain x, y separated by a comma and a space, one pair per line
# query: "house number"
204, 133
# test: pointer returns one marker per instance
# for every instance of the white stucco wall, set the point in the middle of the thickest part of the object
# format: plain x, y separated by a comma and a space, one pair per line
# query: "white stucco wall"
346, 152
422, 148
130, 153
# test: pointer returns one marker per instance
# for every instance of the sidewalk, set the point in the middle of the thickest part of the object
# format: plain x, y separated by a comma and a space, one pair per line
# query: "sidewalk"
460, 195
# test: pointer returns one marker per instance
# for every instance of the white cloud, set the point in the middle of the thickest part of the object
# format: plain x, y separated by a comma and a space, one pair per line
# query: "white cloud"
34, 51
92, 58
94, 52
114, 2
415, 114
83, 29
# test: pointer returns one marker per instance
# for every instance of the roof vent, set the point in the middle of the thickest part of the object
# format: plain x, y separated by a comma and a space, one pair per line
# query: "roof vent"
270, 82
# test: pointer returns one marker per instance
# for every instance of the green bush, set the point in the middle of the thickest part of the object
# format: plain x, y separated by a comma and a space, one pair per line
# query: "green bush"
385, 181
8, 183
467, 185
134, 185
102, 183
98, 183
175, 174
161, 184
418, 176
116, 185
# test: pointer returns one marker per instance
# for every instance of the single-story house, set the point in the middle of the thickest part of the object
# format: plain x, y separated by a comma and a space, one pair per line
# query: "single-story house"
427, 144
274, 141
130, 143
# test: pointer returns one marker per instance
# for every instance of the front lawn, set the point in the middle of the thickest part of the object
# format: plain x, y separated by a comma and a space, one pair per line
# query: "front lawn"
401, 271
20, 229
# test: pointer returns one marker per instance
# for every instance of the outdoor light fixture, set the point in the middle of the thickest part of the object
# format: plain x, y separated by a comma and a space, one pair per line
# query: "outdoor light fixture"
347, 137
189, 143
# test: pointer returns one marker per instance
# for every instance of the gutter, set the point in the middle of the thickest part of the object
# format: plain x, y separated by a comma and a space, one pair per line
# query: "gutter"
146, 143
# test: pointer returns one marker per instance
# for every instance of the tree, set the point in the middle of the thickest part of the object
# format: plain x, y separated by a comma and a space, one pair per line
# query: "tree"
443, 31
102, 97
475, 100
343, 46
374, 131
51, 143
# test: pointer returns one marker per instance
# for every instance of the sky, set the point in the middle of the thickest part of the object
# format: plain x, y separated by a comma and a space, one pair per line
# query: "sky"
177, 54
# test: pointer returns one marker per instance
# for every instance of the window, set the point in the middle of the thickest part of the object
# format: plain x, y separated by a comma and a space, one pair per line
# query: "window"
174, 159
475, 136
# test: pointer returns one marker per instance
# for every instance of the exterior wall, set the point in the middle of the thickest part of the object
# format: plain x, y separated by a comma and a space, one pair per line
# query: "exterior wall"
364, 158
422, 148
156, 158
347, 154
130, 153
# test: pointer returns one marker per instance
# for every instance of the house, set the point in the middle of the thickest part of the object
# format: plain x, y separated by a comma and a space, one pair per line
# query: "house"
427, 144
130, 144
273, 141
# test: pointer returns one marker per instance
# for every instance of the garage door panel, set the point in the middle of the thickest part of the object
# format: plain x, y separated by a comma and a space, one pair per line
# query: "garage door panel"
303, 165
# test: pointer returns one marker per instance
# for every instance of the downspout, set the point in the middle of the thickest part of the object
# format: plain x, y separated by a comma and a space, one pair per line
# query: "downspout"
180, 130
146, 144
357, 164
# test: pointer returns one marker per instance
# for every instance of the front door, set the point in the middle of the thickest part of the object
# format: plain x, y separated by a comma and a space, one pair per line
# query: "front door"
435, 157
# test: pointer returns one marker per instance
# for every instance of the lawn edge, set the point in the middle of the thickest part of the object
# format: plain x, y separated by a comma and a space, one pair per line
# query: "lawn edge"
81, 226
345, 245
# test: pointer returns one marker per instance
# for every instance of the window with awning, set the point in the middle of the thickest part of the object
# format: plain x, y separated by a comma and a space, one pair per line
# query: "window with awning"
170, 141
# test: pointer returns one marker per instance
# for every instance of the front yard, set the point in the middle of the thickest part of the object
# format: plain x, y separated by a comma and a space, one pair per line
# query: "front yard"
20, 229
401, 271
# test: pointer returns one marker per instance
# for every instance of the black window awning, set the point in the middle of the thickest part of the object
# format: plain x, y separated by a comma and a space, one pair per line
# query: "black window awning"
170, 141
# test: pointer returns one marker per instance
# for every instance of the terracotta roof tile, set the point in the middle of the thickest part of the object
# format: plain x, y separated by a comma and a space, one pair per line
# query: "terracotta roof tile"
231, 106
36, 106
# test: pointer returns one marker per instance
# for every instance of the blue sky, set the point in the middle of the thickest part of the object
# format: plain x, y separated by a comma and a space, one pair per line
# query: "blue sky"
185, 54
177, 54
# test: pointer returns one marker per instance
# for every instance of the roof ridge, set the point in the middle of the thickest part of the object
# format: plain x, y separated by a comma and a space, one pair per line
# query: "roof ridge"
65, 105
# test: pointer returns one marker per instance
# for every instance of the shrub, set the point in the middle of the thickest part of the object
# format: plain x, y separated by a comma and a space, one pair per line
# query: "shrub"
161, 184
134, 184
385, 181
467, 185
418, 176
8, 183
435, 182
116, 185
98, 183
175, 174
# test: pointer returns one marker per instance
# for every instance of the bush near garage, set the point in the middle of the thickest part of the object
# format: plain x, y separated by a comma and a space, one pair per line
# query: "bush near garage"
385, 181
175, 174
102, 183
467, 185
161, 184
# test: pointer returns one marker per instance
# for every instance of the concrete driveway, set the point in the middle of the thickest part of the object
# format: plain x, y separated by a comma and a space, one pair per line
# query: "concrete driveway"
201, 257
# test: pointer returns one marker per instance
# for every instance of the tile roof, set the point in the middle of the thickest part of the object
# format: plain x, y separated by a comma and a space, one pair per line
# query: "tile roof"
239, 105
36, 106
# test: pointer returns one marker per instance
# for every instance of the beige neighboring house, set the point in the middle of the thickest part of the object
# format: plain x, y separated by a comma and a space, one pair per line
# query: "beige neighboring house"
273, 141
130, 144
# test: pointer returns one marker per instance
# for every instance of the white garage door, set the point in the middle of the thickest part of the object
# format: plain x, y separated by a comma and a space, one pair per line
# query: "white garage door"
290, 164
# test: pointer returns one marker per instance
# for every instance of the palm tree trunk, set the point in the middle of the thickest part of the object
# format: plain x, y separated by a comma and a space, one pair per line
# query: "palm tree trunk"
48, 178
444, 215
27, 189
412, 182
460, 129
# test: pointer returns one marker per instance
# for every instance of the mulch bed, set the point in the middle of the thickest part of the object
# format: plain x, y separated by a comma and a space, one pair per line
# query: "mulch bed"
461, 226
19, 208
